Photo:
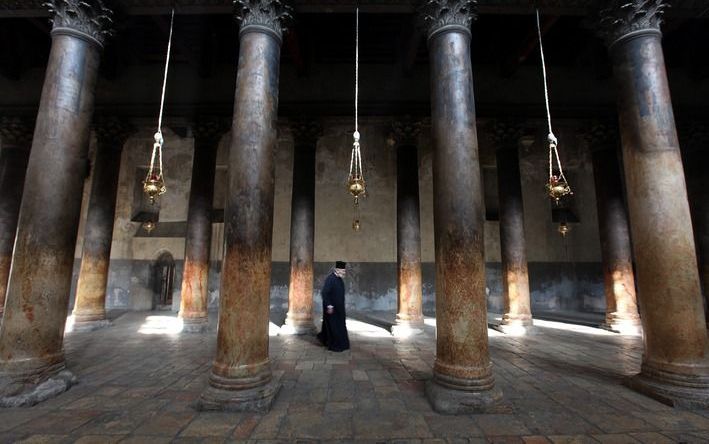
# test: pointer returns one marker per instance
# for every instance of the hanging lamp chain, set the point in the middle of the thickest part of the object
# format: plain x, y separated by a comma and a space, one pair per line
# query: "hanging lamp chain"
557, 186
355, 181
154, 184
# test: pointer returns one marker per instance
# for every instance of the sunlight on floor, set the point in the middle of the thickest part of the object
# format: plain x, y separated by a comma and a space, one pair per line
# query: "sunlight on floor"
273, 329
573, 327
69, 326
161, 325
367, 330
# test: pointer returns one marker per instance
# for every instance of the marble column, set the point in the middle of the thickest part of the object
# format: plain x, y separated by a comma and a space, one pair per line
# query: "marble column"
32, 366
241, 376
462, 373
517, 317
15, 140
299, 319
90, 305
617, 257
675, 365
195, 277
695, 151
409, 314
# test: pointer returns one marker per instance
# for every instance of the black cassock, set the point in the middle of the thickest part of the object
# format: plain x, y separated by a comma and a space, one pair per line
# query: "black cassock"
334, 331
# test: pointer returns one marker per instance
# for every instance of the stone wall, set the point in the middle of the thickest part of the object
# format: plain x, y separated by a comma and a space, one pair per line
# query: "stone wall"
565, 273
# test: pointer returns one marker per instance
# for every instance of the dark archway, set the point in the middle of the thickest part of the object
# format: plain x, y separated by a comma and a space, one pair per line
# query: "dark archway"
163, 277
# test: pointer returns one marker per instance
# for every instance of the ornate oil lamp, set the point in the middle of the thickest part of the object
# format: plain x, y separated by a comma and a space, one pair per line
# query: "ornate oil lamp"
557, 186
154, 183
148, 226
356, 185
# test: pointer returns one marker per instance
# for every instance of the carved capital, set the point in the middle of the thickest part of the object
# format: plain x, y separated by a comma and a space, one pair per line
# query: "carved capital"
602, 135
620, 19
264, 15
305, 131
112, 132
442, 15
506, 134
16, 131
210, 129
87, 19
405, 132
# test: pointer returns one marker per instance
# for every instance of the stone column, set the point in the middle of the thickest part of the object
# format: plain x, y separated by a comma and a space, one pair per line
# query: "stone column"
462, 373
696, 160
16, 138
675, 366
195, 277
90, 306
32, 331
299, 319
517, 318
618, 276
409, 314
241, 375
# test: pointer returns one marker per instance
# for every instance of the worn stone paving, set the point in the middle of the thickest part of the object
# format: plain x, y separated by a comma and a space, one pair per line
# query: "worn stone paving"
139, 378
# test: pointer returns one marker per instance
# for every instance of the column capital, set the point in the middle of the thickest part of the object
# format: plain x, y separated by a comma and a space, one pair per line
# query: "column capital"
405, 131
447, 15
602, 135
305, 131
506, 133
268, 16
210, 129
16, 131
112, 132
90, 20
622, 19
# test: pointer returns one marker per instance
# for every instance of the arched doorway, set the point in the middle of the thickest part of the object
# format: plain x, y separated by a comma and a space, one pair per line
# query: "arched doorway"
163, 278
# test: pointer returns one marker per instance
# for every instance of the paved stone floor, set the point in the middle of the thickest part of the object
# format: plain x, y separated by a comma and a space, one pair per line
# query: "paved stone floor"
139, 377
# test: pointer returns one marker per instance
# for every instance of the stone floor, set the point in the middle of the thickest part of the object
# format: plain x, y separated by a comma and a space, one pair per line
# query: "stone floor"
139, 378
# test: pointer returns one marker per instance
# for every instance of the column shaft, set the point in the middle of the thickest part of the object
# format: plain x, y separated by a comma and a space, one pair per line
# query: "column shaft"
90, 306
618, 276
675, 367
515, 277
463, 380
32, 332
195, 277
241, 374
302, 237
13, 165
408, 239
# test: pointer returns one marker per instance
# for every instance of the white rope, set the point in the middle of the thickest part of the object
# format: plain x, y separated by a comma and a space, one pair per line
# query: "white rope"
167, 64
356, 69
544, 74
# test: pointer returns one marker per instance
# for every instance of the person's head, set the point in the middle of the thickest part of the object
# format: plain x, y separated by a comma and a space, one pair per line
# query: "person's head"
340, 269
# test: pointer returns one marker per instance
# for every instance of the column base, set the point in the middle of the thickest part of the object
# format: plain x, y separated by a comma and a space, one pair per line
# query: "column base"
516, 325
674, 389
626, 325
406, 328
450, 401
257, 399
297, 326
84, 326
195, 325
16, 391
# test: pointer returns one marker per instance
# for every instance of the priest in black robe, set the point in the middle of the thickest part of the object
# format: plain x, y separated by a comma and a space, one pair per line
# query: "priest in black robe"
334, 331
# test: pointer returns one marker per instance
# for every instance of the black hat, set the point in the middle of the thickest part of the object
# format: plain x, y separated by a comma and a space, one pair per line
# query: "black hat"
340, 264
